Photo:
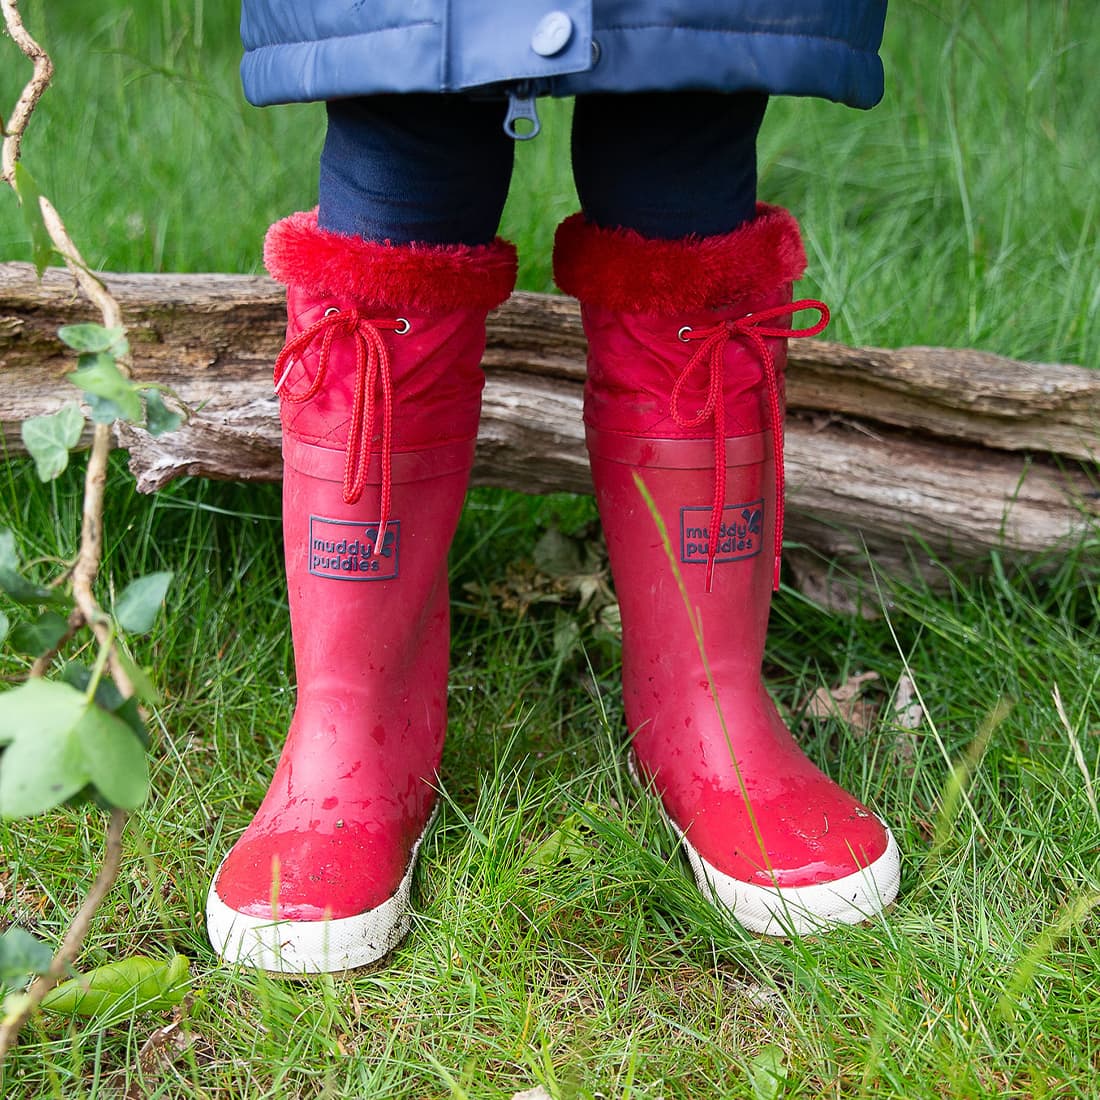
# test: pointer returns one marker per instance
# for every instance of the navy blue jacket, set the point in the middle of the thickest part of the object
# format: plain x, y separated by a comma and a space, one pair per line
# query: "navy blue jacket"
327, 49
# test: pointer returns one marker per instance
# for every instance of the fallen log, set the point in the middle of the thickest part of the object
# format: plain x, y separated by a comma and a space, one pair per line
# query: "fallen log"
907, 454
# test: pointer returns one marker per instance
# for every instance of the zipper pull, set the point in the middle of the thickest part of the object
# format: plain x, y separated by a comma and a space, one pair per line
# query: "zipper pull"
521, 107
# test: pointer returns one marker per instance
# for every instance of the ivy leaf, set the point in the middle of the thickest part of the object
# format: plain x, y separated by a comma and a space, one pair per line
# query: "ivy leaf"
14, 584
40, 636
144, 688
98, 374
159, 419
23, 591
9, 556
108, 697
151, 985
566, 842
557, 554
59, 741
43, 764
138, 606
49, 439
94, 338
114, 759
22, 954
767, 1073
104, 411
41, 245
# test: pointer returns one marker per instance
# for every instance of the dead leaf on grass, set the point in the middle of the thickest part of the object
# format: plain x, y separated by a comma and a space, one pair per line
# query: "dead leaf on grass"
908, 713
568, 570
162, 1049
166, 1044
908, 716
846, 702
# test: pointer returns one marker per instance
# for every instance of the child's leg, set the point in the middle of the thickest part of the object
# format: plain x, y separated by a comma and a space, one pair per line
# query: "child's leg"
687, 310
380, 390
667, 166
430, 169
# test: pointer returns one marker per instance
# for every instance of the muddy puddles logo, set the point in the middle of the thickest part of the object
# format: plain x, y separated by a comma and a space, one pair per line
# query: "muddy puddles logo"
740, 535
343, 550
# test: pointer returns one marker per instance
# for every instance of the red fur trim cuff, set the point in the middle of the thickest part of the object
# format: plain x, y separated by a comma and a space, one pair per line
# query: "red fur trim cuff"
431, 278
621, 270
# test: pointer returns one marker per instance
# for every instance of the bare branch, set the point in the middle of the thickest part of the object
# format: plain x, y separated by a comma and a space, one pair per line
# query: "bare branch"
91, 536
90, 283
32, 93
91, 553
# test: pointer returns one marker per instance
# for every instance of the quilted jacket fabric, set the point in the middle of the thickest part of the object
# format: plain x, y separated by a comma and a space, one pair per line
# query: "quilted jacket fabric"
329, 49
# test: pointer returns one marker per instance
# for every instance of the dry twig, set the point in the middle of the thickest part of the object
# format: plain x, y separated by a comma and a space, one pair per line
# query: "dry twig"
32, 93
86, 569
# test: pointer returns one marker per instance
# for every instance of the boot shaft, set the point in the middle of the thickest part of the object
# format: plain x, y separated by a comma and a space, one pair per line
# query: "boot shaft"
380, 386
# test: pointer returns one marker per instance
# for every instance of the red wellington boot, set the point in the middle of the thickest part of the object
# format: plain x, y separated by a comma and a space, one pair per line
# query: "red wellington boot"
687, 345
380, 386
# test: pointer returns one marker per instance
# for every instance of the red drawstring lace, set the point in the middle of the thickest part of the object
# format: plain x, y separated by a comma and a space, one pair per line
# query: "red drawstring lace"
372, 368
712, 353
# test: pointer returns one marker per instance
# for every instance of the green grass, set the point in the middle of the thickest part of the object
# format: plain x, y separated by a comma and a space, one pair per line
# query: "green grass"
961, 211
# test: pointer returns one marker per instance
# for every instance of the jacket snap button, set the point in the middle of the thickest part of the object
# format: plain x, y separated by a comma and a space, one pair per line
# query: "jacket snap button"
552, 34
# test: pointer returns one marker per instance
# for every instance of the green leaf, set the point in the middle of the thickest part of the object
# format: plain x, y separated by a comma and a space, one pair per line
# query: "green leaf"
24, 591
566, 842
98, 374
50, 438
557, 554
138, 606
130, 713
566, 636
114, 759
767, 1074
36, 707
43, 764
104, 411
108, 697
41, 245
15, 584
159, 419
79, 676
22, 954
144, 688
5, 626
41, 636
9, 555
151, 985
94, 338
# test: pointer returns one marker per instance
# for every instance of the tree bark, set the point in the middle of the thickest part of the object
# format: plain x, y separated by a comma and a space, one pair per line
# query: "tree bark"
901, 455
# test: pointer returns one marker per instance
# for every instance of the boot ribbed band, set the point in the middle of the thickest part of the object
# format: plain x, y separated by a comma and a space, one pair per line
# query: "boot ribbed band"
327, 464
379, 275
621, 270
644, 452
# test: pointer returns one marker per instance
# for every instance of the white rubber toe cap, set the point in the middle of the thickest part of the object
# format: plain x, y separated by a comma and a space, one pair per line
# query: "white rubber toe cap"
781, 911
311, 947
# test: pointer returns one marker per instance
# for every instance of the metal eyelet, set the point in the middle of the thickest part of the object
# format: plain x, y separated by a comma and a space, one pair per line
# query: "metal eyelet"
331, 310
405, 322
682, 334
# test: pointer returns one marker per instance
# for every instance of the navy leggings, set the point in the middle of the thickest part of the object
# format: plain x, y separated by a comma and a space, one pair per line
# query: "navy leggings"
435, 168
